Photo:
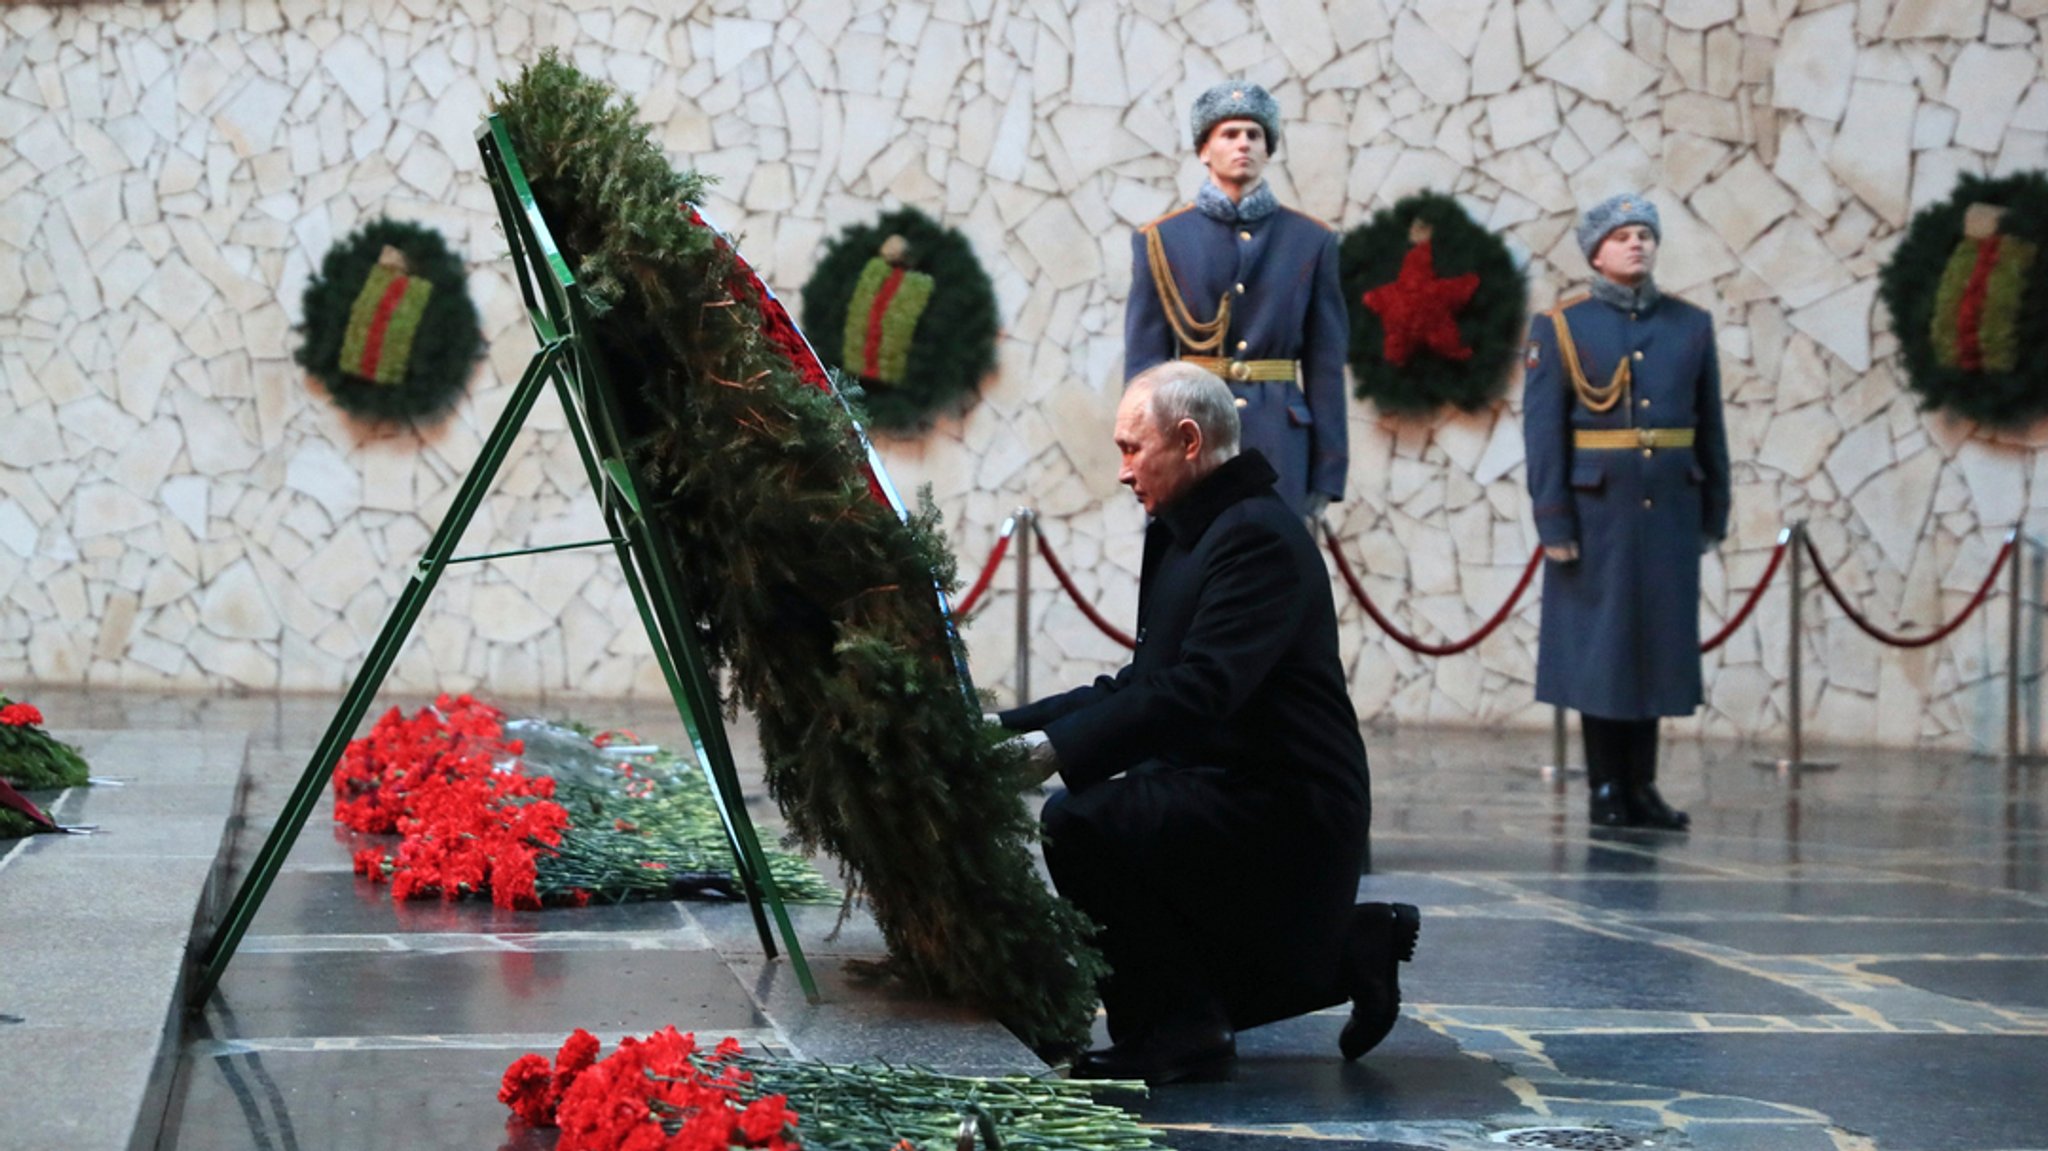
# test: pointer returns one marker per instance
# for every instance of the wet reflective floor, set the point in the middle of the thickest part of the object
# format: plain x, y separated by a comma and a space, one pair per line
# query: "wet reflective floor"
1836, 961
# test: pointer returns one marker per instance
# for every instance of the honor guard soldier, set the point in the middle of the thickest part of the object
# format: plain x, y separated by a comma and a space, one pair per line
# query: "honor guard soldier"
1628, 478
1249, 290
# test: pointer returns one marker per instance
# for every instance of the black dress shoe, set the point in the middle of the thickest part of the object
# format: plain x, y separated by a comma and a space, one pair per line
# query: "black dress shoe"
1381, 938
1648, 809
1608, 806
1200, 1054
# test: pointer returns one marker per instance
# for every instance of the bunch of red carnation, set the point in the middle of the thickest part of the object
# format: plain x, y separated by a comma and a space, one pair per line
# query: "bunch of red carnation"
21, 715
448, 781
660, 1093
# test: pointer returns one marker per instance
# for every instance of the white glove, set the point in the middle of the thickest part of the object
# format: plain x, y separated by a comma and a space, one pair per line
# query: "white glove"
1312, 507
1040, 760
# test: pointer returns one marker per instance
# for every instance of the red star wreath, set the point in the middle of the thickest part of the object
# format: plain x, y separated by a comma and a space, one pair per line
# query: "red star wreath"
1436, 304
1420, 310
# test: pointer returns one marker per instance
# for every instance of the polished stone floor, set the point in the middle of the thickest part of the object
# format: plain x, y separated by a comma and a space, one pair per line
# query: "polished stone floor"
1831, 961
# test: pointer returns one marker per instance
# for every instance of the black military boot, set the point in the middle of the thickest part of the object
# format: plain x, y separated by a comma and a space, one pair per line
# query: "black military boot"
1646, 807
1380, 938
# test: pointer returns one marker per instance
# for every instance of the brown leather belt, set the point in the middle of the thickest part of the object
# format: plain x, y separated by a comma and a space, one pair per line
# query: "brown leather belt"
1615, 439
1244, 370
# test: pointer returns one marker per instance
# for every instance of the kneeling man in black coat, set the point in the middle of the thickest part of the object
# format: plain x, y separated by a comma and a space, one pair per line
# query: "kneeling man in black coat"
1215, 812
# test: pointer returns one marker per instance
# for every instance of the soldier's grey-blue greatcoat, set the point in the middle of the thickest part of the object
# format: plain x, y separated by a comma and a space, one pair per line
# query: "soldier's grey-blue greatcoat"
1620, 635
1286, 304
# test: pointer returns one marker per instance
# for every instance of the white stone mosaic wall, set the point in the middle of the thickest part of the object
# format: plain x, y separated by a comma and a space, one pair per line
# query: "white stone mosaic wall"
176, 509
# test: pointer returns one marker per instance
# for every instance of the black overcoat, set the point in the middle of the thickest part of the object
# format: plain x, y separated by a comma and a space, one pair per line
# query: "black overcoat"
1620, 637
1217, 786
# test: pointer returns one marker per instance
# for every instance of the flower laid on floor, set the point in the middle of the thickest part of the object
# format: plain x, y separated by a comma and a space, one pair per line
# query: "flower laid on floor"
665, 1093
650, 1094
482, 813
32, 758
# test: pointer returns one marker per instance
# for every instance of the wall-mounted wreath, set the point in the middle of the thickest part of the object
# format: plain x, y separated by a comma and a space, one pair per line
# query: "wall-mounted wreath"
390, 330
903, 306
1966, 292
1436, 307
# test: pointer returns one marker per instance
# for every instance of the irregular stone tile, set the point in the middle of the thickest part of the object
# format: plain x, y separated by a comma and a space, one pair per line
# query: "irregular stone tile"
941, 56
1691, 254
1984, 87
1742, 202
1841, 323
1521, 117
1593, 63
1317, 158
234, 605
1497, 60
1872, 151
1419, 171
1997, 476
2022, 152
1094, 138
1359, 23
1795, 263
1459, 22
1892, 507
185, 497
1799, 440
1532, 174
1699, 15
1813, 67
1066, 250
1542, 32
1923, 19
1704, 115
1935, 173
1436, 69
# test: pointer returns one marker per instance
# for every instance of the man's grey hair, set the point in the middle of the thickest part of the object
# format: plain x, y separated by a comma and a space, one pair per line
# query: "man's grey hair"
1183, 391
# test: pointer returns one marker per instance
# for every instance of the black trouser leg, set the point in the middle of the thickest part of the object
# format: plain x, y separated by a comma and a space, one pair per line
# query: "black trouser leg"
1646, 806
1149, 951
1607, 753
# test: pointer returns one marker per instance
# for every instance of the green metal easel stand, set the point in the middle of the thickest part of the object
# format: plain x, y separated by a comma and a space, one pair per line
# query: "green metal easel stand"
556, 310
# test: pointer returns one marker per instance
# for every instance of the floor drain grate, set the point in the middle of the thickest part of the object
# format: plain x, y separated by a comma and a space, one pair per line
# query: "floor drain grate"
1568, 1139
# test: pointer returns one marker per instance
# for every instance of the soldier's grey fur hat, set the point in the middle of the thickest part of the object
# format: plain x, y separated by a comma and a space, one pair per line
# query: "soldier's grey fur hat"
1237, 100
1615, 212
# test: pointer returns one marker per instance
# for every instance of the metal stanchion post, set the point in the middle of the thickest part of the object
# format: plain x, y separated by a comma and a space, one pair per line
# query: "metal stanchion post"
2020, 608
1560, 763
1795, 760
1027, 521
2013, 604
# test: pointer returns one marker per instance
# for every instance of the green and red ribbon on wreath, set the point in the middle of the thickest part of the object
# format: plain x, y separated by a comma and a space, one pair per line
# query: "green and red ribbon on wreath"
383, 321
1977, 307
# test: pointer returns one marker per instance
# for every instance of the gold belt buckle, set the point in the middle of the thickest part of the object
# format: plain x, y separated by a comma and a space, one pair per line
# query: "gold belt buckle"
1647, 437
1240, 371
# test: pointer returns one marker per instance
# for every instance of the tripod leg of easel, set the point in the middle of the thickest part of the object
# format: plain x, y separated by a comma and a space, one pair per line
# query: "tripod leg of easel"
263, 869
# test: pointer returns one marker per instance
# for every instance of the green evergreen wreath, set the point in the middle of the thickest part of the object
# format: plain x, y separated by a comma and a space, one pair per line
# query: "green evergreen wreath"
1466, 366
1966, 293
813, 598
393, 340
922, 353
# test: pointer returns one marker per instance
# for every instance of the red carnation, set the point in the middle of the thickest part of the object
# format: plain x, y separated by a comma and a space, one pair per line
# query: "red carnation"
528, 1088
21, 715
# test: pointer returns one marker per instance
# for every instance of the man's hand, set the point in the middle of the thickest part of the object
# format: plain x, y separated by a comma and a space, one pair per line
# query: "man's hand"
1566, 553
1312, 507
1040, 760
1708, 543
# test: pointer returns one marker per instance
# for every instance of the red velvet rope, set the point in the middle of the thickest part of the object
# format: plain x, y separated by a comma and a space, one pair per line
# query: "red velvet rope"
1749, 605
1983, 593
1409, 641
988, 570
1060, 573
